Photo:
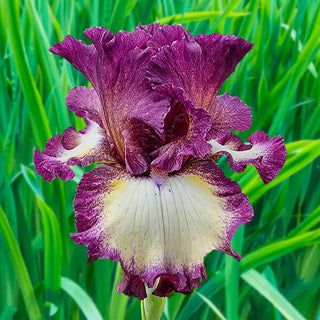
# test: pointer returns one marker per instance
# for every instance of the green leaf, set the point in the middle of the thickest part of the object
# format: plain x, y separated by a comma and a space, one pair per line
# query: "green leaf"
231, 268
211, 306
119, 302
32, 180
254, 259
19, 268
121, 10
52, 249
81, 298
8, 313
36, 110
265, 288
312, 220
199, 16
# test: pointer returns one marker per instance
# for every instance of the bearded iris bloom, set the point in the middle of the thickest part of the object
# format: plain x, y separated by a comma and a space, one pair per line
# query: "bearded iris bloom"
157, 201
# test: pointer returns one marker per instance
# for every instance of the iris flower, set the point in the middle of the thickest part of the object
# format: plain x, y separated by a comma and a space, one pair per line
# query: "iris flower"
157, 201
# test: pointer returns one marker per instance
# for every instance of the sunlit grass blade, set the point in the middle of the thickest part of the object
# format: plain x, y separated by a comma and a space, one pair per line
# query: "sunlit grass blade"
312, 220
82, 299
227, 10
199, 16
272, 251
19, 267
265, 288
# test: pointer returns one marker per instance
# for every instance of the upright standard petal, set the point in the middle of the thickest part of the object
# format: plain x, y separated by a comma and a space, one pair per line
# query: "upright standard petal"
72, 148
82, 56
199, 66
159, 228
165, 35
267, 155
117, 71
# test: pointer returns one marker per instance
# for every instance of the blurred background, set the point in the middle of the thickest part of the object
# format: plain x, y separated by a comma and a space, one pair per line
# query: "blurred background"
43, 274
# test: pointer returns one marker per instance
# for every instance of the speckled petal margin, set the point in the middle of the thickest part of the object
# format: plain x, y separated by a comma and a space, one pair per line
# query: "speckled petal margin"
72, 148
267, 155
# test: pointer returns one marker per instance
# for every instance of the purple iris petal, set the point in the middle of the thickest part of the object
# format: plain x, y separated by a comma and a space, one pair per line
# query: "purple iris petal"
85, 103
163, 35
140, 140
199, 66
229, 113
267, 155
185, 128
115, 64
72, 148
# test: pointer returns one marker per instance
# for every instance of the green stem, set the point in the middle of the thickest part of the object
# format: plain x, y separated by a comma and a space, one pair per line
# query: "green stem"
143, 314
152, 307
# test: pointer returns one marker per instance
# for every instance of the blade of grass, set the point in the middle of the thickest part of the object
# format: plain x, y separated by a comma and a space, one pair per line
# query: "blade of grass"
199, 16
19, 267
227, 10
312, 220
265, 288
118, 303
232, 277
36, 110
8, 313
211, 306
252, 260
81, 298
121, 10
52, 249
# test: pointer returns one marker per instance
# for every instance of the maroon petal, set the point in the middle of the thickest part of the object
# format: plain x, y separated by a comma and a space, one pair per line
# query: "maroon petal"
150, 28
83, 57
72, 148
159, 229
85, 103
229, 113
185, 136
267, 155
140, 140
115, 64
199, 66
165, 35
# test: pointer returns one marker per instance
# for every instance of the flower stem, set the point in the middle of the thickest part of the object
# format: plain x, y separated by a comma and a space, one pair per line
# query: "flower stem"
152, 307
143, 314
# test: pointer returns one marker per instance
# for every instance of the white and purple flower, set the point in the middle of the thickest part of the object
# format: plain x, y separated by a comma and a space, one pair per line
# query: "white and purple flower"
157, 202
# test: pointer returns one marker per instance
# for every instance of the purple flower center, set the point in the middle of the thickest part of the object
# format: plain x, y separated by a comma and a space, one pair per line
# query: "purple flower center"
176, 122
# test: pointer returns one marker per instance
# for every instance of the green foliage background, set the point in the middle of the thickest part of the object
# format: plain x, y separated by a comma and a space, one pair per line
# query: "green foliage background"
45, 275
